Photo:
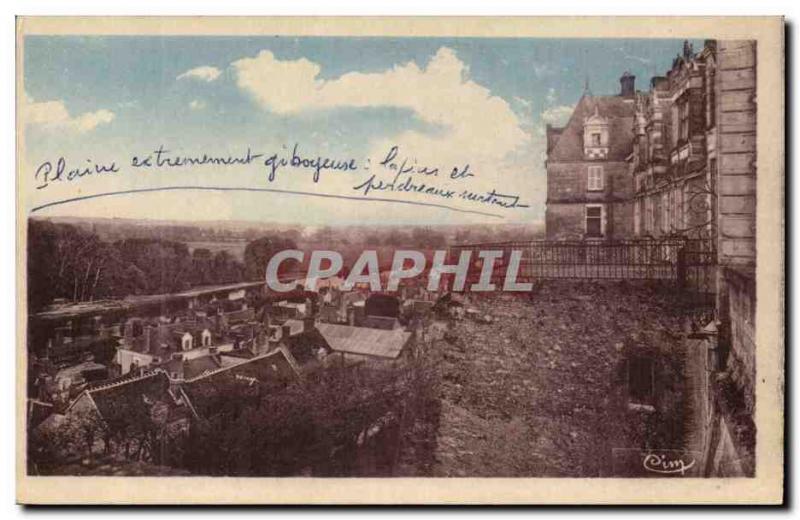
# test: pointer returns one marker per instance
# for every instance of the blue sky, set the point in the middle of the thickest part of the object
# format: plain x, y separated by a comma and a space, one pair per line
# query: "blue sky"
447, 102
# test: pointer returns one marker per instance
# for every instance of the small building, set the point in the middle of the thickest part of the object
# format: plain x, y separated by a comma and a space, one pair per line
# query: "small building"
369, 345
159, 342
121, 406
272, 371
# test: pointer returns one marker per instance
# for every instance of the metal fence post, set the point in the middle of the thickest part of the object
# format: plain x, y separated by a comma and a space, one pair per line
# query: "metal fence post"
681, 267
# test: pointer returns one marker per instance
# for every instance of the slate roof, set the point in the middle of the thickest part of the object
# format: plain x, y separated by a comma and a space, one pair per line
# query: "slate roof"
381, 322
38, 411
364, 341
273, 366
295, 326
192, 368
304, 347
382, 304
205, 394
567, 142
166, 339
134, 396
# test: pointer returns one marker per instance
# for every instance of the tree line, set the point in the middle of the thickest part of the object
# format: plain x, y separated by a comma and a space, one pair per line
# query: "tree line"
74, 264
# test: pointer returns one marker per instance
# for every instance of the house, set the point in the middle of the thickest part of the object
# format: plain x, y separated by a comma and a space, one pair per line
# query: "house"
589, 186
273, 370
132, 404
288, 310
375, 347
381, 322
158, 342
381, 311
180, 369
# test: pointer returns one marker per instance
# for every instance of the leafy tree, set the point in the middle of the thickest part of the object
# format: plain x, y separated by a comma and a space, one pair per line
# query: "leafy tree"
396, 238
426, 238
73, 263
258, 253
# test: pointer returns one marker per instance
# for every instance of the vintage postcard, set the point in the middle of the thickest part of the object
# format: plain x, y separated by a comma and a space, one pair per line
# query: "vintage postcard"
400, 260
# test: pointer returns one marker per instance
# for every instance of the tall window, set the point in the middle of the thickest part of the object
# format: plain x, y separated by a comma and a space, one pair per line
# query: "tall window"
683, 121
596, 139
595, 178
712, 101
637, 217
594, 221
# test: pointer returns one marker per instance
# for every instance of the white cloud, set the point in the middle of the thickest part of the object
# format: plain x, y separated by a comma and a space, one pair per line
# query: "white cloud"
197, 104
471, 119
205, 73
54, 115
472, 126
558, 115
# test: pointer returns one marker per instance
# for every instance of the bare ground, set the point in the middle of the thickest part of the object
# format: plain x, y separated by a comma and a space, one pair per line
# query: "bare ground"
543, 391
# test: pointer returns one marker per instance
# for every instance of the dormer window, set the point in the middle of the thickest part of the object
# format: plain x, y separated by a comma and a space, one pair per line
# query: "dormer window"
595, 136
186, 341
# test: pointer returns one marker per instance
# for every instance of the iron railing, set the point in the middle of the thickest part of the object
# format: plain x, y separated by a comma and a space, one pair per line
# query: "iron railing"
690, 263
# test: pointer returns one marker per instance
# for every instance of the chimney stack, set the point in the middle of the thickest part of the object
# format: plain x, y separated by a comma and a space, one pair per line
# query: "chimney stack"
309, 323
627, 85
148, 333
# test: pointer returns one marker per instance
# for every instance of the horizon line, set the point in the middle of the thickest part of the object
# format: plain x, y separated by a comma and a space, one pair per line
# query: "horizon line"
260, 190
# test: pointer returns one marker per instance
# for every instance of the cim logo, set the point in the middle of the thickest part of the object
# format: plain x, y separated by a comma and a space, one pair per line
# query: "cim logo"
667, 464
633, 462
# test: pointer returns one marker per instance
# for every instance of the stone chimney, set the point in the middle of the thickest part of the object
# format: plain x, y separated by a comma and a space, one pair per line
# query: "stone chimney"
627, 85
148, 337
688, 50
309, 323
659, 83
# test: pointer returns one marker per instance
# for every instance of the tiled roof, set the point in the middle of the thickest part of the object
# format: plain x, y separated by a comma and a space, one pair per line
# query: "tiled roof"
619, 112
364, 341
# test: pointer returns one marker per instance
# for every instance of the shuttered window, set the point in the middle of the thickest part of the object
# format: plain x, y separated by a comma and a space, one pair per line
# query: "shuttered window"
595, 178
